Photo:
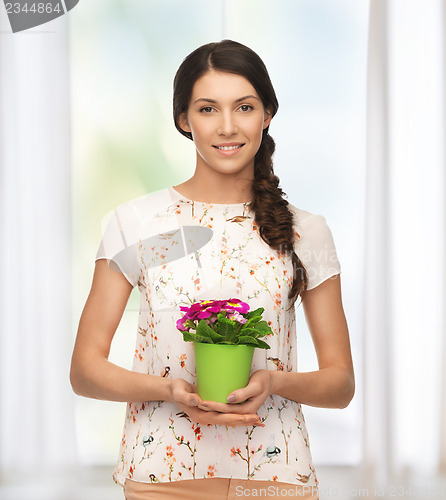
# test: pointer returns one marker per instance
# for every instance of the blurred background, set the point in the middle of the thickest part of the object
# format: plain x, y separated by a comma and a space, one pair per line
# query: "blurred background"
86, 124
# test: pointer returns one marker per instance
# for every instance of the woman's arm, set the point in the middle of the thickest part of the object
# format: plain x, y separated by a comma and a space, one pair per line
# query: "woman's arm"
333, 385
93, 375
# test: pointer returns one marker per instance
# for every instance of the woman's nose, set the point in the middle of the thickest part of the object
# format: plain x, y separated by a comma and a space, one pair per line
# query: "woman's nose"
227, 125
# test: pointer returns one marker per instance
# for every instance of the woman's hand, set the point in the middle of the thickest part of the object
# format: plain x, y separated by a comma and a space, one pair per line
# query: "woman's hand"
254, 395
184, 395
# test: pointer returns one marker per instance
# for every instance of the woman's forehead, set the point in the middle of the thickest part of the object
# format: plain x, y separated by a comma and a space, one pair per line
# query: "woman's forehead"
220, 86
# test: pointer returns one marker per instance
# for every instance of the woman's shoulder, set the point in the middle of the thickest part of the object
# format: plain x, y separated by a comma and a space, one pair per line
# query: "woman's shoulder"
154, 200
304, 219
311, 230
315, 246
131, 218
141, 209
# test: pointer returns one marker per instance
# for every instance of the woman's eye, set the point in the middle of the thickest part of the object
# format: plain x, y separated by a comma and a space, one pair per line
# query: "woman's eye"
206, 109
246, 107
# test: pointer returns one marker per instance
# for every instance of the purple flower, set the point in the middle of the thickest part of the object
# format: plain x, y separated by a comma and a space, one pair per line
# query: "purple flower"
232, 332
236, 305
204, 309
209, 309
181, 324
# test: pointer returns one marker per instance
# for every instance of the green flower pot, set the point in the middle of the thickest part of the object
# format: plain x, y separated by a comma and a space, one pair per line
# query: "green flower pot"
221, 369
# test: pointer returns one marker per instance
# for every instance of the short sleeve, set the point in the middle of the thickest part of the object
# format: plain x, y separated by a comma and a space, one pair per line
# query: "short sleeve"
119, 243
316, 249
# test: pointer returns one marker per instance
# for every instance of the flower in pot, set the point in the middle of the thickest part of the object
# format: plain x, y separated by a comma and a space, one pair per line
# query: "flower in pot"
224, 334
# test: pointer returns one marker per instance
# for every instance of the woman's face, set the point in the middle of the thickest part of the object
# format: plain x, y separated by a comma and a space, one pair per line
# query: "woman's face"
226, 118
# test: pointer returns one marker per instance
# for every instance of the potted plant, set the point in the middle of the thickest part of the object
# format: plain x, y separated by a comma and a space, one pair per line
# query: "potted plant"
224, 334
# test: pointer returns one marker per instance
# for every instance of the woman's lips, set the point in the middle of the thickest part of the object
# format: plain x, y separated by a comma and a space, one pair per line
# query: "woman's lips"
228, 149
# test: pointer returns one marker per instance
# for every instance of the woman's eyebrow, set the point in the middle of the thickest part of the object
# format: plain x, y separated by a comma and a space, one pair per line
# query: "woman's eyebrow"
247, 97
213, 101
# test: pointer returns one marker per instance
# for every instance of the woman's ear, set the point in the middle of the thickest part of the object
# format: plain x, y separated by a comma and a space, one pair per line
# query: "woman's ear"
183, 123
267, 117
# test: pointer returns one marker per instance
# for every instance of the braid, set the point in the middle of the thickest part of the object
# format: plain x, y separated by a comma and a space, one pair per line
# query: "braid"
272, 215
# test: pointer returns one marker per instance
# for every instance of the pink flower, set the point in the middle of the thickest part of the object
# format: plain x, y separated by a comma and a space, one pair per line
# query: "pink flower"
236, 305
206, 309
238, 317
181, 324
203, 309
209, 309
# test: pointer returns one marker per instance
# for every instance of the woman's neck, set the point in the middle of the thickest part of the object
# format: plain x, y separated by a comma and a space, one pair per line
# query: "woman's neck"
230, 192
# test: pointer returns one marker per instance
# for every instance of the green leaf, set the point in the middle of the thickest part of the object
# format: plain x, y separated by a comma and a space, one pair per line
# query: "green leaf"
193, 337
189, 337
249, 331
263, 327
263, 345
258, 334
216, 337
204, 329
203, 340
227, 328
256, 312
246, 339
252, 321
201, 329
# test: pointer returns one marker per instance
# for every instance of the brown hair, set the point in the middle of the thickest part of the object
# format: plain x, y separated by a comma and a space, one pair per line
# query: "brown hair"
272, 215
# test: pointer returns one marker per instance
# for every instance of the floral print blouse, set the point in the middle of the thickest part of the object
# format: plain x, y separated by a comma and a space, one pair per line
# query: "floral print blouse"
178, 251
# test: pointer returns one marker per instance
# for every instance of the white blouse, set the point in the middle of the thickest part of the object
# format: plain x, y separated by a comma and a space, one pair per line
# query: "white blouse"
179, 251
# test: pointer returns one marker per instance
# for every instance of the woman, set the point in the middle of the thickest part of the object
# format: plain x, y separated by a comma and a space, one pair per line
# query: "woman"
260, 249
